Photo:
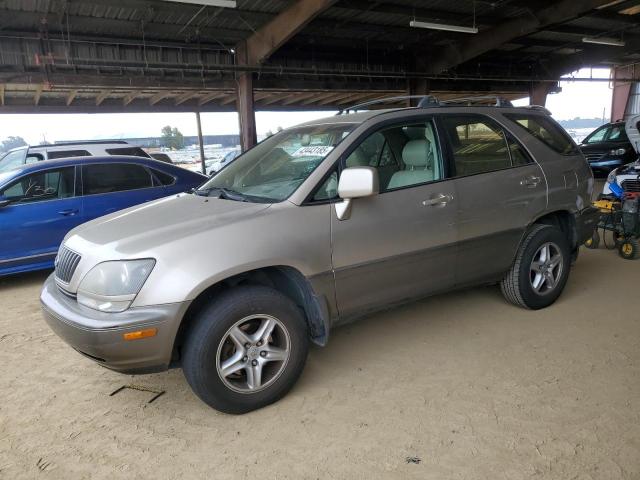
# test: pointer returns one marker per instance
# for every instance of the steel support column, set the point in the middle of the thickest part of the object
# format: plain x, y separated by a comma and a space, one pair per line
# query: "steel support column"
538, 93
201, 143
246, 111
622, 79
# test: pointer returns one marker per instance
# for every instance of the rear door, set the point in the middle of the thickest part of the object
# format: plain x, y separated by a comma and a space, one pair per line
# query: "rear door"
44, 208
500, 190
399, 244
109, 187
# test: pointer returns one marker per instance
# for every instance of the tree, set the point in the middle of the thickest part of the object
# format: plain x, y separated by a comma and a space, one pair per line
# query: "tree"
12, 142
172, 138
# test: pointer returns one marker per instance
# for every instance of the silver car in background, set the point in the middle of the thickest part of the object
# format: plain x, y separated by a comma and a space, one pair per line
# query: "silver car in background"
318, 225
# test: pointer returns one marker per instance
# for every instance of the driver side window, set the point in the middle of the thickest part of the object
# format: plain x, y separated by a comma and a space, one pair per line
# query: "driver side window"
404, 155
40, 186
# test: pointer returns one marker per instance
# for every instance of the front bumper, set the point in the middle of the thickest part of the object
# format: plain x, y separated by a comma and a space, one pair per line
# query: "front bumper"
606, 164
99, 335
586, 222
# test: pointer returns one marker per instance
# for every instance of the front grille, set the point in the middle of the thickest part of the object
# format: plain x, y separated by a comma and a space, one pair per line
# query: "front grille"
592, 157
631, 185
66, 264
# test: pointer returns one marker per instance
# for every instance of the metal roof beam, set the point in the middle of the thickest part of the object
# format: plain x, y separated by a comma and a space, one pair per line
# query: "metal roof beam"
281, 28
37, 95
593, 56
71, 97
186, 97
130, 97
212, 96
505, 32
158, 97
102, 96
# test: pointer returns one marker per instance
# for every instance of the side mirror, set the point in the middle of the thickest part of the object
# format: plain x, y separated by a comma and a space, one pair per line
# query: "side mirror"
4, 202
355, 182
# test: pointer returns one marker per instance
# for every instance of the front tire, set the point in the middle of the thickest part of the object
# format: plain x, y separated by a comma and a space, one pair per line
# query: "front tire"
246, 349
629, 248
540, 270
593, 242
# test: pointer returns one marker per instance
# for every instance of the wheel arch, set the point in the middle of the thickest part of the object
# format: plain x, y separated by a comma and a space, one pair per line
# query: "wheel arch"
285, 279
564, 220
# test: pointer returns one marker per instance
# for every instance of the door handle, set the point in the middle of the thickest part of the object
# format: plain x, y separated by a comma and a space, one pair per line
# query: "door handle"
530, 182
439, 200
69, 212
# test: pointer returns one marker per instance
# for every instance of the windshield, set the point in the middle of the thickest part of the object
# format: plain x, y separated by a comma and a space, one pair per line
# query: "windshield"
608, 133
14, 158
4, 176
276, 167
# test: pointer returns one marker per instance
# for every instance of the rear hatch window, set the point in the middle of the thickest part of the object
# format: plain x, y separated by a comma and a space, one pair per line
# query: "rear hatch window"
545, 130
131, 151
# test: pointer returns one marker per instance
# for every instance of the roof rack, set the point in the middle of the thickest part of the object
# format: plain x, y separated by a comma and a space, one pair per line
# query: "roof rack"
82, 142
539, 108
488, 100
425, 101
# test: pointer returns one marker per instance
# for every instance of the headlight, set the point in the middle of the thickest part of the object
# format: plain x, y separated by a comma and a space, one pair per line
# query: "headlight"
612, 176
112, 286
617, 152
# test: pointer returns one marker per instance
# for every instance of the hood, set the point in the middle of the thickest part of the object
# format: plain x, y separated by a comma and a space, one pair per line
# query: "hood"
629, 169
632, 127
141, 228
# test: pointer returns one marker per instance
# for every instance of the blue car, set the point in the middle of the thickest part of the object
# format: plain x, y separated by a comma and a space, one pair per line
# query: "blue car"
41, 202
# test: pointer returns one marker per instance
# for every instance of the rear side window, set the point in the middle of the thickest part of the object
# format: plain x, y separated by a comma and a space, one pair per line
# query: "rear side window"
67, 154
545, 130
114, 177
478, 144
163, 178
617, 134
131, 151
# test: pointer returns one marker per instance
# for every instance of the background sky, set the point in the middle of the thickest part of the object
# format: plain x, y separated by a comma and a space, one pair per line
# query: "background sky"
577, 99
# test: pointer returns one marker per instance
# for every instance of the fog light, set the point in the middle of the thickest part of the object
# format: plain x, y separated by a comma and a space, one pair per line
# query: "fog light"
138, 334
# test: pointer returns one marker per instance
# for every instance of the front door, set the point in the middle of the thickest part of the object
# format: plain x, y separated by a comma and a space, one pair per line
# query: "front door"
399, 244
43, 209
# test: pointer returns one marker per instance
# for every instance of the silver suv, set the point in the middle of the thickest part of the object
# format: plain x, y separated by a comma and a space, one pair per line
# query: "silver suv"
315, 226
24, 155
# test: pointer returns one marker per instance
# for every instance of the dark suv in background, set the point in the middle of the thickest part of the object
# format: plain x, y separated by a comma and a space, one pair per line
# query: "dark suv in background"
608, 147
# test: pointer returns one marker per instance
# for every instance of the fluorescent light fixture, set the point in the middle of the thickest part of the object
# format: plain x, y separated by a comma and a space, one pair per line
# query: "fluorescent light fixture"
442, 26
208, 3
604, 41
631, 10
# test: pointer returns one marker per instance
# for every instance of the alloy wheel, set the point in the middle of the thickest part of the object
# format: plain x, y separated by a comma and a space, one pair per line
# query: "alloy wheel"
546, 268
253, 353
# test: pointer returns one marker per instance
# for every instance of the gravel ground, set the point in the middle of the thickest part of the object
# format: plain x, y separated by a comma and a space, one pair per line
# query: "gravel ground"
459, 386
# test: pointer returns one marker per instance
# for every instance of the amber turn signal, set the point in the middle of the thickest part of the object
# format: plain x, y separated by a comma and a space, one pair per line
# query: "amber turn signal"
138, 334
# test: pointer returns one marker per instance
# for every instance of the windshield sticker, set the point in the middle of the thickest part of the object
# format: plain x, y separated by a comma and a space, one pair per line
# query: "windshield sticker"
317, 151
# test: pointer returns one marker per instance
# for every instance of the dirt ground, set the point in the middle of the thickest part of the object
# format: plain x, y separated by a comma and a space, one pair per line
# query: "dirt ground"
460, 386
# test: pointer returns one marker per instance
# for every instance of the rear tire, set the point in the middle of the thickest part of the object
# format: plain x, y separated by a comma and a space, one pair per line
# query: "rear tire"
223, 372
540, 270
